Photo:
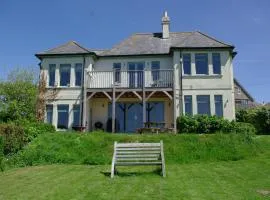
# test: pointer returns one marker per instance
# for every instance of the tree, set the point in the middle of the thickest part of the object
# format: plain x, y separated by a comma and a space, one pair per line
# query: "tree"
18, 96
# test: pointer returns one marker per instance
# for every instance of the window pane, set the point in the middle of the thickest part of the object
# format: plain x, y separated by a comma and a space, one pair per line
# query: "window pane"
216, 63
76, 115
117, 71
155, 67
187, 64
49, 113
65, 74
188, 104
62, 116
201, 63
78, 74
219, 105
51, 75
203, 104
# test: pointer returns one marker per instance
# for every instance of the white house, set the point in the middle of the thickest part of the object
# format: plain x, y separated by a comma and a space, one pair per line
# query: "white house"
148, 77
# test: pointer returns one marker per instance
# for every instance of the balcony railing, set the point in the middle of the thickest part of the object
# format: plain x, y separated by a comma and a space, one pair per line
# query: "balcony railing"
131, 79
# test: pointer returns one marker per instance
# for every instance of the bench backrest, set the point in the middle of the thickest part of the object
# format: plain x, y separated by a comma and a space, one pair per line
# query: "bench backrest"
138, 153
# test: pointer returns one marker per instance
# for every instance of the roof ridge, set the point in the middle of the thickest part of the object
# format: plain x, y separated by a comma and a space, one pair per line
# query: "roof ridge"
206, 35
80, 46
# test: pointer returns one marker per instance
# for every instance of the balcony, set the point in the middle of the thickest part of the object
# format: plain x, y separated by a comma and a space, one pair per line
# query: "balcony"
131, 79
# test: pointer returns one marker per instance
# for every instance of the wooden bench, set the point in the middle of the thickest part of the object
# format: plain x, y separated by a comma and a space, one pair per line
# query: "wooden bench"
132, 154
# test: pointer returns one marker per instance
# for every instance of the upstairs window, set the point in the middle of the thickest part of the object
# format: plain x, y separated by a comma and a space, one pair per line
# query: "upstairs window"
218, 105
216, 63
201, 60
117, 72
76, 115
78, 74
65, 74
62, 122
188, 104
155, 67
52, 75
203, 104
187, 64
49, 114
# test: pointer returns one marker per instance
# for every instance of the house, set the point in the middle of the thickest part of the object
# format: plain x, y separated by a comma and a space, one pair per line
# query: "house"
242, 98
148, 77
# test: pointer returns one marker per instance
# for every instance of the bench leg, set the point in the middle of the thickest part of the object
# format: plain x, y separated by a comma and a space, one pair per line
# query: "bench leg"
112, 170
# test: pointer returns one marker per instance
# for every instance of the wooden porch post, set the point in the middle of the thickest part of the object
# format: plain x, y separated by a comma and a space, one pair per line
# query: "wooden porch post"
174, 100
113, 104
143, 99
84, 100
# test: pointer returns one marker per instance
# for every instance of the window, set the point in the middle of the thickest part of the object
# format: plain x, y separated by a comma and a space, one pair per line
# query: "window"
117, 72
203, 104
76, 115
238, 90
216, 63
187, 64
155, 67
188, 104
62, 122
51, 74
65, 74
201, 60
49, 113
78, 74
219, 105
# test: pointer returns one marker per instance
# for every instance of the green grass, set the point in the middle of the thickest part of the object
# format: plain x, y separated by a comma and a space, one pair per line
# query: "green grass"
197, 167
212, 180
70, 148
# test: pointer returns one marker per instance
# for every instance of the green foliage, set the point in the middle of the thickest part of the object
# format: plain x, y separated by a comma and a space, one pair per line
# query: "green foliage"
18, 96
212, 124
33, 129
97, 148
13, 137
1, 153
259, 117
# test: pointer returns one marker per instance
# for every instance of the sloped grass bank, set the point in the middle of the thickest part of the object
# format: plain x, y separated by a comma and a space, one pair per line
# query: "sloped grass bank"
96, 148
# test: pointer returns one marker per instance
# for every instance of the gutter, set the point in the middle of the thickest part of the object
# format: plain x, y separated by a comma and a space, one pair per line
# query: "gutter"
82, 95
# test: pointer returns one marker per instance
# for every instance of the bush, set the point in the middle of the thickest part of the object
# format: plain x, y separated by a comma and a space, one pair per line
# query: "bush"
212, 124
259, 117
33, 129
13, 137
1, 153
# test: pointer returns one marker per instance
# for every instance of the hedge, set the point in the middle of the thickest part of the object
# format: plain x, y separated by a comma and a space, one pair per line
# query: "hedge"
212, 124
1, 153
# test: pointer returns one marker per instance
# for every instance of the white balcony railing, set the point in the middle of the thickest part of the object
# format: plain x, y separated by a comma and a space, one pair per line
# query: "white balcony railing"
130, 79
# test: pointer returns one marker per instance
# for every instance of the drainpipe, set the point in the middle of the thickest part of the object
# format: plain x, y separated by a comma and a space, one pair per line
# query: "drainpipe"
82, 94
181, 84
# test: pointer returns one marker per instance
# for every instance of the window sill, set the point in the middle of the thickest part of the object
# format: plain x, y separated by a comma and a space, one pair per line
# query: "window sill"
202, 76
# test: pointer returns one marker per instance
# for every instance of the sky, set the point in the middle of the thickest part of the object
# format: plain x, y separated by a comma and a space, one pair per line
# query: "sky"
31, 26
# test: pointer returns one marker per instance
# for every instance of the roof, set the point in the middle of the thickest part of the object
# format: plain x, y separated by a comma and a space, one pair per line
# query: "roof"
152, 43
243, 89
70, 47
144, 44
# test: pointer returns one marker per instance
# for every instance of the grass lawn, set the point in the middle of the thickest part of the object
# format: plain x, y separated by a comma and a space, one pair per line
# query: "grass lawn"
242, 179
215, 180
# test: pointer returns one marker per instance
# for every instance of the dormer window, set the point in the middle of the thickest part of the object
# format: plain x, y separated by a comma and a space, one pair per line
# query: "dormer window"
65, 74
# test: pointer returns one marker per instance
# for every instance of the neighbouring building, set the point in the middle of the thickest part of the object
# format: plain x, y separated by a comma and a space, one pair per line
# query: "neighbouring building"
148, 77
242, 98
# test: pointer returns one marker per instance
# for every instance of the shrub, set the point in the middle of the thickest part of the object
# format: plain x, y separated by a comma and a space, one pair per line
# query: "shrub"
1, 153
259, 117
212, 124
13, 137
33, 129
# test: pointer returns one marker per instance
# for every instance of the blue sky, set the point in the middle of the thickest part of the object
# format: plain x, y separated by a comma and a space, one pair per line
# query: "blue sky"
30, 26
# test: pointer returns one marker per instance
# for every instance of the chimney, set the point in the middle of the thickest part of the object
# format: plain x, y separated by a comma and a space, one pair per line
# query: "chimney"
165, 26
